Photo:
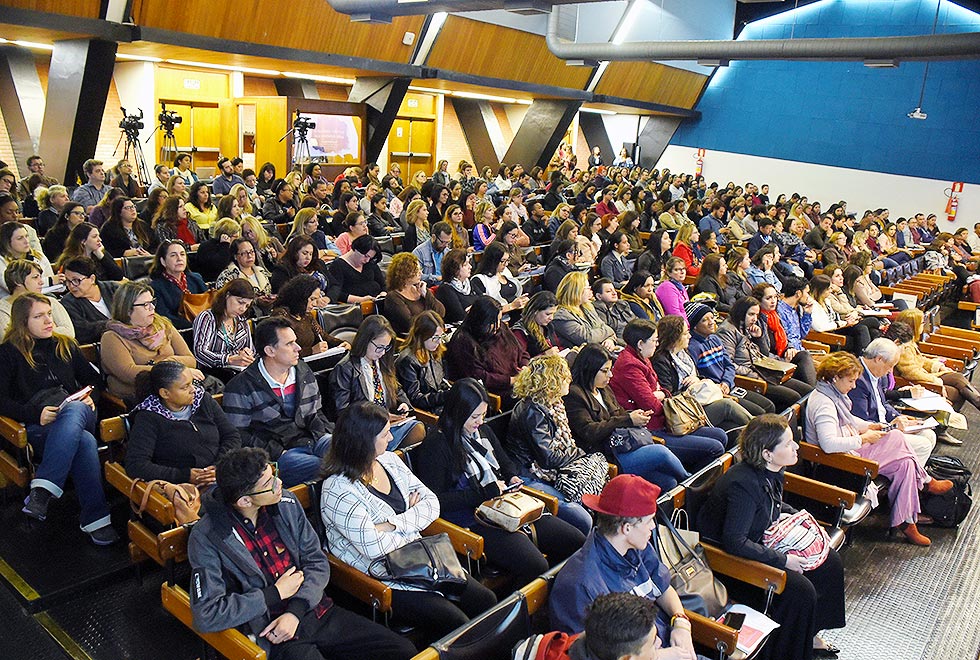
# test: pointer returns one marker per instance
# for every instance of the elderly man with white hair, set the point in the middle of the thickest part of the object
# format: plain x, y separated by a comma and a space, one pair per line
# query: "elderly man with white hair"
868, 397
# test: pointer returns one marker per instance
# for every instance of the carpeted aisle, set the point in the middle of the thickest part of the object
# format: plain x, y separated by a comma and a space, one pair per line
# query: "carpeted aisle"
911, 603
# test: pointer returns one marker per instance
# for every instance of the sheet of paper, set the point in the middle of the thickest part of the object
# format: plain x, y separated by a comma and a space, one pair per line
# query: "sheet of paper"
756, 627
929, 403
336, 350
927, 423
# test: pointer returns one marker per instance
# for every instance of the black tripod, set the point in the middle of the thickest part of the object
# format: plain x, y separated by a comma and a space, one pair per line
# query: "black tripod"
168, 121
133, 152
301, 150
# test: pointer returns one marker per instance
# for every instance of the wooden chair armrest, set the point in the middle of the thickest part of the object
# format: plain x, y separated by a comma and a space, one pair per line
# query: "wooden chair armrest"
843, 461
13, 432
426, 418
789, 374
428, 653
158, 506
496, 403
113, 429
536, 594
955, 342
550, 501
943, 350
360, 585
367, 308
230, 643
819, 491
892, 290
748, 571
968, 306
950, 331
932, 387
815, 346
464, 541
756, 385
713, 635
828, 338
144, 541
173, 543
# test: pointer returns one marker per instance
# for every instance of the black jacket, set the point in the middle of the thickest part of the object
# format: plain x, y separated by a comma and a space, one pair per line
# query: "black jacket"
741, 506
213, 257
455, 302
591, 424
425, 385
116, 240
20, 382
434, 466
89, 322
530, 438
346, 387
161, 448
666, 371
555, 272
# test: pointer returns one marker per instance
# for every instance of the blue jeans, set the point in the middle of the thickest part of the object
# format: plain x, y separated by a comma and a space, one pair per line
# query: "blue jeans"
301, 464
68, 446
655, 463
571, 512
697, 449
399, 432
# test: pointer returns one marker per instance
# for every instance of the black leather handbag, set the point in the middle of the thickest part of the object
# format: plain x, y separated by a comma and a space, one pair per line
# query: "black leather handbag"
429, 563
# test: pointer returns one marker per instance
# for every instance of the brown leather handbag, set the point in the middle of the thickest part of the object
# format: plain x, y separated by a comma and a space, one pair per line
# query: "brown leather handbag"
192, 304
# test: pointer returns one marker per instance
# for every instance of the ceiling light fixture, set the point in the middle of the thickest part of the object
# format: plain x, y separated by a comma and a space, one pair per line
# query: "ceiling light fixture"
137, 58
222, 67
597, 111
326, 79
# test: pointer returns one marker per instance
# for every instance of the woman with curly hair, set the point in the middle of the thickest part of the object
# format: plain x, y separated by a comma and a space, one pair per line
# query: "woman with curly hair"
407, 294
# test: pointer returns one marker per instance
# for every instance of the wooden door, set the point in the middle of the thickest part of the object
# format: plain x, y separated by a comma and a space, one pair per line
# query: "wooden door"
206, 135
422, 146
399, 146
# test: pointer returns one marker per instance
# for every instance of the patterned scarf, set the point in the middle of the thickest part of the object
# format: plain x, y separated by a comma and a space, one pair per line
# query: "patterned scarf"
149, 337
481, 465
180, 281
778, 331
153, 403
562, 444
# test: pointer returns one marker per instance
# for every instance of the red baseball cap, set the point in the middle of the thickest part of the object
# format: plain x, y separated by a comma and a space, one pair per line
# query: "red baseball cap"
626, 496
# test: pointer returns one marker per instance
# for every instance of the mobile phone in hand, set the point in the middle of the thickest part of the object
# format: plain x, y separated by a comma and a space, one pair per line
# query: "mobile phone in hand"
512, 487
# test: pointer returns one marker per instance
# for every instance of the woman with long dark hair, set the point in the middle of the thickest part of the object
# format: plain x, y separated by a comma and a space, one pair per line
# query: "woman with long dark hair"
372, 504
222, 340
171, 279
464, 464
594, 416
419, 366
124, 233
535, 330
298, 301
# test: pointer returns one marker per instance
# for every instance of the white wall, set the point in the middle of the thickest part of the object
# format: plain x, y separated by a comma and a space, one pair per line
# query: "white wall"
622, 128
902, 195
135, 85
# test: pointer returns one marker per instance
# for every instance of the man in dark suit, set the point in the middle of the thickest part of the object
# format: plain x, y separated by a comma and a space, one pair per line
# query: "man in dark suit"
868, 397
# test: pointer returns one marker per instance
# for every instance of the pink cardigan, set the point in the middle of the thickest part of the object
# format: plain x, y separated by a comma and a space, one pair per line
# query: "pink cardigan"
672, 298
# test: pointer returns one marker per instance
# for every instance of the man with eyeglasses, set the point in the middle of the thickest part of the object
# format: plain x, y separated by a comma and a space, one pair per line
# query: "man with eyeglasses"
275, 403
431, 252
35, 164
257, 566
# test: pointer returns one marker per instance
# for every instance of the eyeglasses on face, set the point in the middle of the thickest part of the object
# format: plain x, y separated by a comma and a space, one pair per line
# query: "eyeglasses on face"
149, 304
75, 281
382, 348
275, 478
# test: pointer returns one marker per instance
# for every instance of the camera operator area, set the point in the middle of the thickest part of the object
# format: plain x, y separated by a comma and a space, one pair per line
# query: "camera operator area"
489, 329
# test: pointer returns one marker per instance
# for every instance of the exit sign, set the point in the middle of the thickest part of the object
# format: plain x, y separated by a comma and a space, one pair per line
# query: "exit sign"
192, 83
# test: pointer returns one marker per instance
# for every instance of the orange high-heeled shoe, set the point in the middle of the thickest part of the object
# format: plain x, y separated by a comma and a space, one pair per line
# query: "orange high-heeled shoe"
939, 486
911, 534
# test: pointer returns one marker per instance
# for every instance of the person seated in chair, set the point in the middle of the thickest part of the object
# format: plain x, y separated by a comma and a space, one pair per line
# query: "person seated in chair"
277, 599
178, 431
275, 404
618, 556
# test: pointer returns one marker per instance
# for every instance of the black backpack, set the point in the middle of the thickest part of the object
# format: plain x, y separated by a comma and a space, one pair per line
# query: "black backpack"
950, 508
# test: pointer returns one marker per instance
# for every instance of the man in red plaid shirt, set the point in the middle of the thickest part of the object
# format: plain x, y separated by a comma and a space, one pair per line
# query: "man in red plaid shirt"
258, 566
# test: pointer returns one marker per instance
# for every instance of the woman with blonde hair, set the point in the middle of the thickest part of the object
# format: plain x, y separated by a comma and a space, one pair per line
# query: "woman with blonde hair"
454, 216
307, 223
137, 338
576, 321
830, 424
539, 438
23, 276
686, 247
240, 193
417, 217
916, 368
41, 368
484, 231
268, 248
50, 201
177, 187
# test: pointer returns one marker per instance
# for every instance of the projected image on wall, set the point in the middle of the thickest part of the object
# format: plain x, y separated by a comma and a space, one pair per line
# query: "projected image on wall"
334, 139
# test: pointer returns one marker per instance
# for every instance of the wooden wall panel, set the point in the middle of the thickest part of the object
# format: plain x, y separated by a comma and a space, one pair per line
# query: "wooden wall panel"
83, 8
483, 49
255, 86
303, 24
192, 84
652, 82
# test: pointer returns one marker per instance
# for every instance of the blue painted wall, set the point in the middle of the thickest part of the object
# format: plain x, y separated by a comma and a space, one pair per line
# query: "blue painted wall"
843, 113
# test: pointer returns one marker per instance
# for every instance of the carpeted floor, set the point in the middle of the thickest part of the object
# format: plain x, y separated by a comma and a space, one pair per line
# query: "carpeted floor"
911, 603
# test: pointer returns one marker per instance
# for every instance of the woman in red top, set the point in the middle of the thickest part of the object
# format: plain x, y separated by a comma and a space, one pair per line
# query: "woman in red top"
686, 247
635, 384
606, 205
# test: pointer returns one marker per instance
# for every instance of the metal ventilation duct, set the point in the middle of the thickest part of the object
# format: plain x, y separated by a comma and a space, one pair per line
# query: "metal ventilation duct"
382, 11
961, 46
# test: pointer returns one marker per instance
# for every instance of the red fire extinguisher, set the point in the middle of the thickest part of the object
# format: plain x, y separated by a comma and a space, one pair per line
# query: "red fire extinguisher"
699, 159
953, 201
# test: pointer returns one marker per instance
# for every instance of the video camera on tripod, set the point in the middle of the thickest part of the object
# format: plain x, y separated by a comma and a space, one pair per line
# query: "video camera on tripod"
131, 125
168, 119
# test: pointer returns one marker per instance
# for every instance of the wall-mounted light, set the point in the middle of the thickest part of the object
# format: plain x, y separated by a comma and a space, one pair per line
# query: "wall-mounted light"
222, 67
327, 79
597, 111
